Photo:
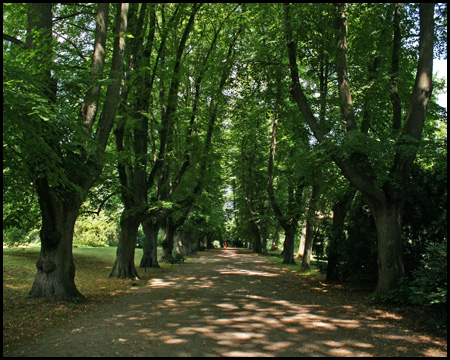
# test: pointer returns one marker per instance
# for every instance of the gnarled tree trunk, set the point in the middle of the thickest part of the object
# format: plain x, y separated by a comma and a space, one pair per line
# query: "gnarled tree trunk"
55, 267
391, 268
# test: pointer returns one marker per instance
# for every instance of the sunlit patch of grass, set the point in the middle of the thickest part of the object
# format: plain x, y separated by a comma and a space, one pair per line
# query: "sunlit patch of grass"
24, 317
278, 258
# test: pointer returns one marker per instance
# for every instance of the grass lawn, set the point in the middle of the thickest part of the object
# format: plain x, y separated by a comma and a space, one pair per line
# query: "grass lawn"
24, 318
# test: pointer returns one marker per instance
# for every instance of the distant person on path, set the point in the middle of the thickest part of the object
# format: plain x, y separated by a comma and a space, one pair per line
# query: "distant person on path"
224, 245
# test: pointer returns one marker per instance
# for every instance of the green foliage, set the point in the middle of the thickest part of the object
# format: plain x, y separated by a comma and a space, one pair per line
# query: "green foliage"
400, 296
173, 259
13, 236
140, 238
429, 287
424, 217
91, 231
21, 216
38, 134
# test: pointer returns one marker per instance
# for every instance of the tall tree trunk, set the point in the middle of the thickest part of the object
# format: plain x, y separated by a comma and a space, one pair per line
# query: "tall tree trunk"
264, 235
310, 228
391, 267
168, 233
89, 107
186, 242
257, 246
208, 240
307, 252
131, 169
288, 249
288, 224
337, 235
301, 245
395, 97
178, 239
124, 267
150, 245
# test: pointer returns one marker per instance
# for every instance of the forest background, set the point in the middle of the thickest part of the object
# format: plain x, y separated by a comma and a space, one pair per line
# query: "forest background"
270, 126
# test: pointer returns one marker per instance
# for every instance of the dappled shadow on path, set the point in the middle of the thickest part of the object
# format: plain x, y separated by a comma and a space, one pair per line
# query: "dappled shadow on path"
236, 303
240, 304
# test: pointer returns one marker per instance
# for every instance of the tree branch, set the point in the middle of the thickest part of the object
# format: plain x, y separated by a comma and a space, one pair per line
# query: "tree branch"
395, 98
101, 205
356, 176
15, 41
421, 95
341, 67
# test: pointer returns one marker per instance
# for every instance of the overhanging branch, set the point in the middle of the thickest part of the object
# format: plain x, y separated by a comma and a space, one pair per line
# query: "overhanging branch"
15, 41
101, 205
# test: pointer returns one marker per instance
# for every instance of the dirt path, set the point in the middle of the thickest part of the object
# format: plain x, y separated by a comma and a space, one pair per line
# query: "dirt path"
232, 303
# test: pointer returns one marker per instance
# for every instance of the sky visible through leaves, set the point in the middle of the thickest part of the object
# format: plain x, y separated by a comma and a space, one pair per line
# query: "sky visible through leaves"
440, 68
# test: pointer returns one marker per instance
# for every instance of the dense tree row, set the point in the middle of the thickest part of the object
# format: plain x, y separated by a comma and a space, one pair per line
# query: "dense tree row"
192, 119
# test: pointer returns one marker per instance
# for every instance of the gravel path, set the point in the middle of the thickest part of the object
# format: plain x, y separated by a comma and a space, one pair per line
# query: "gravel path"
232, 303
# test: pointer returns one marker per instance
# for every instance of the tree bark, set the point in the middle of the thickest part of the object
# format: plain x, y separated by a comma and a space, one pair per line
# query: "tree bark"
89, 107
264, 234
168, 233
288, 249
124, 267
310, 228
395, 68
55, 267
254, 223
150, 245
390, 244
109, 110
301, 245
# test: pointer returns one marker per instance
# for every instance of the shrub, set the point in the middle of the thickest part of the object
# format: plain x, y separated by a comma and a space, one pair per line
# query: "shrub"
140, 238
173, 259
429, 287
400, 296
96, 231
13, 236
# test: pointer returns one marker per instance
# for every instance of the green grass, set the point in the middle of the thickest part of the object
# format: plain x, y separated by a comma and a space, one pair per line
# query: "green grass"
278, 258
24, 317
